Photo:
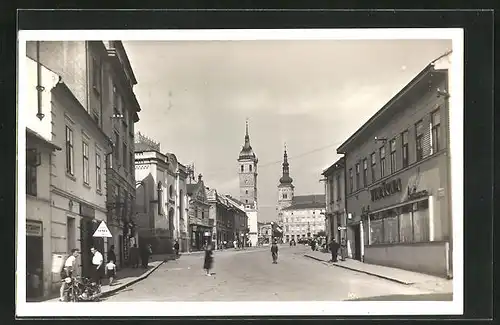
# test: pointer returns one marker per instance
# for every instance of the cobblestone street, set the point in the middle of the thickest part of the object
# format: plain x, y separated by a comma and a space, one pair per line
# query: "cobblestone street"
249, 275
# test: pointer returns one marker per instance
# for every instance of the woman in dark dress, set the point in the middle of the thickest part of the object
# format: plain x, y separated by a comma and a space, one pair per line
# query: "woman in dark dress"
207, 265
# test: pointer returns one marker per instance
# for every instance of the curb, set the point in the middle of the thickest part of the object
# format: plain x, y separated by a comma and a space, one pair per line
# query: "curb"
360, 271
123, 286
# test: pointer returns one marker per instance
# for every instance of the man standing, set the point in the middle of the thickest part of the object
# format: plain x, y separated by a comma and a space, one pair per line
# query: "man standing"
334, 247
274, 252
98, 266
176, 247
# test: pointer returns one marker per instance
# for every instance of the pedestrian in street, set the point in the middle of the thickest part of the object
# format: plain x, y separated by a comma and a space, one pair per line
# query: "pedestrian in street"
334, 247
208, 262
176, 247
134, 256
274, 252
145, 253
313, 245
67, 271
98, 266
111, 253
343, 249
110, 271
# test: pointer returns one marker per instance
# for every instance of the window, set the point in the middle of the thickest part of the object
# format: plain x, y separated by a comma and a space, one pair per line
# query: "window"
98, 171
132, 163
30, 173
96, 74
246, 201
382, 161
115, 100
203, 214
357, 176
242, 168
125, 151
374, 165
96, 117
70, 158
159, 191
338, 188
404, 137
393, 155
365, 172
250, 167
117, 147
350, 181
436, 133
419, 136
171, 191
86, 167
285, 195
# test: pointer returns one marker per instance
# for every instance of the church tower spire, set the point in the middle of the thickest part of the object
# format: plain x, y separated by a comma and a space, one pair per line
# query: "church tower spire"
285, 178
285, 188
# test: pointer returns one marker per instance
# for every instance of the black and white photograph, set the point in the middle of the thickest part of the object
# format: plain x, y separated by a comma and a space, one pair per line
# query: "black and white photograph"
240, 172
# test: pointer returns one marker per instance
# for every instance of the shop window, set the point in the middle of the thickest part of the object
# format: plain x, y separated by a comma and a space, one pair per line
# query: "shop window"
419, 140
436, 133
374, 165
377, 231
404, 138
391, 229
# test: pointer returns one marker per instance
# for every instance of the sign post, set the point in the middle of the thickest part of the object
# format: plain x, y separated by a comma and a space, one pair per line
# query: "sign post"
102, 231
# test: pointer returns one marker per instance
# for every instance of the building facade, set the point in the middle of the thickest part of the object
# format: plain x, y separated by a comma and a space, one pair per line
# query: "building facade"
247, 172
112, 88
304, 218
161, 203
58, 72
199, 224
397, 179
265, 232
336, 217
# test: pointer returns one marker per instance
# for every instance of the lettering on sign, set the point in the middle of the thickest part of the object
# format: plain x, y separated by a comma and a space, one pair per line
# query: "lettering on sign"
33, 229
386, 189
102, 231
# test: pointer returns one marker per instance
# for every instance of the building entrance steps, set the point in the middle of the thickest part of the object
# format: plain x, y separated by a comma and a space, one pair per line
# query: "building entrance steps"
415, 279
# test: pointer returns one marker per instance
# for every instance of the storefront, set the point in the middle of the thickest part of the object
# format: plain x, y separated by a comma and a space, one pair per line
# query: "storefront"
34, 259
199, 236
88, 226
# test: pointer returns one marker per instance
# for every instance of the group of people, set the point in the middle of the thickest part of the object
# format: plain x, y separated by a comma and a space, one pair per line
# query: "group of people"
143, 254
334, 249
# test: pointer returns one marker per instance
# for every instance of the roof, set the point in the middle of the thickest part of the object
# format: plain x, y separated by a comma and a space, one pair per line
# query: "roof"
235, 200
314, 201
339, 164
421, 76
41, 140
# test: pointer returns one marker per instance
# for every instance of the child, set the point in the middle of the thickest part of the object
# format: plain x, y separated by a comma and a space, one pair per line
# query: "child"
111, 271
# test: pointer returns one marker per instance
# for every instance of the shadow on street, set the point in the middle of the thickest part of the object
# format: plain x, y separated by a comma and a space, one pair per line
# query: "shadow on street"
421, 297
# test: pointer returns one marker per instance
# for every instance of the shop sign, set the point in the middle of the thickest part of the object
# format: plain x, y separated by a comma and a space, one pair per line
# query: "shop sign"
87, 211
33, 228
413, 195
386, 189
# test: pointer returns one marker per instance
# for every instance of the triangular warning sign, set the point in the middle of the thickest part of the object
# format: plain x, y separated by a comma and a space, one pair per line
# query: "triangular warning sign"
102, 231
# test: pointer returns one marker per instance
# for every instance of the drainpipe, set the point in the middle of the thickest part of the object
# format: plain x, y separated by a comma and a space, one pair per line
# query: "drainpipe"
39, 87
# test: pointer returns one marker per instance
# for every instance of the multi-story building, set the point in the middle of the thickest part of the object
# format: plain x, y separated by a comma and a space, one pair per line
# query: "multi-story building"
398, 178
304, 218
265, 232
161, 201
241, 229
77, 187
248, 185
199, 224
336, 218
112, 82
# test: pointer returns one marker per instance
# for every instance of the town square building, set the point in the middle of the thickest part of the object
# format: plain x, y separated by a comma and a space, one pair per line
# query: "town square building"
397, 169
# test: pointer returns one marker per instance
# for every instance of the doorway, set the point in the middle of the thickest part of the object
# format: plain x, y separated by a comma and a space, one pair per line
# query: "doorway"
357, 242
34, 259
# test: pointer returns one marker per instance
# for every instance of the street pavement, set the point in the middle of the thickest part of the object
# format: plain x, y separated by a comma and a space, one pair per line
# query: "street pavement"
249, 275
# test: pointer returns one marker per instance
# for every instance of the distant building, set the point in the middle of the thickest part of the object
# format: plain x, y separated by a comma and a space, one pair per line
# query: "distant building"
305, 217
398, 178
161, 201
336, 217
285, 189
248, 185
265, 232
199, 225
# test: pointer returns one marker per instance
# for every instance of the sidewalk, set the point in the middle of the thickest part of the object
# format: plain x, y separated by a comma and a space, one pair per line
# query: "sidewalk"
126, 277
415, 279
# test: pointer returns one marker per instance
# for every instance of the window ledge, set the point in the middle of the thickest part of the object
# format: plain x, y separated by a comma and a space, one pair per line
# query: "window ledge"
99, 192
72, 177
86, 185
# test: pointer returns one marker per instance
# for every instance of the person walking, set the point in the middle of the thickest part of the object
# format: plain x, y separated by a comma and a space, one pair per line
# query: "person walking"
208, 262
176, 248
111, 253
313, 244
274, 252
334, 247
110, 271
98, 266
146, 251
134, 256
343, 249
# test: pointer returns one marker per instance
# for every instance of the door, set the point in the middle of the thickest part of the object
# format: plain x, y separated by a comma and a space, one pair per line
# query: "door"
357, 242
34, 260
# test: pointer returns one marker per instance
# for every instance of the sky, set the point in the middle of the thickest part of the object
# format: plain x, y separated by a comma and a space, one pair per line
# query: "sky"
195, 97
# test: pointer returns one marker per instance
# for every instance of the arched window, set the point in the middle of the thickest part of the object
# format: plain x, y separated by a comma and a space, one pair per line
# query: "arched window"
171, 191
159, 192
250, 167
242, 168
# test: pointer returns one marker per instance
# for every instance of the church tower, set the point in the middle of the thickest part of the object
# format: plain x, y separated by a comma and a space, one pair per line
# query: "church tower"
247, 171
285, 188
